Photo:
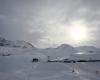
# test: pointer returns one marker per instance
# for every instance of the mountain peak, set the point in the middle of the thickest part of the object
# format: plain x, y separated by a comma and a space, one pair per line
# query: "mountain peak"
65, 46
19, 43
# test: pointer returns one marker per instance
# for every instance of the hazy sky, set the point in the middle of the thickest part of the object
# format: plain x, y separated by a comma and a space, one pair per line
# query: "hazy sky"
45, 23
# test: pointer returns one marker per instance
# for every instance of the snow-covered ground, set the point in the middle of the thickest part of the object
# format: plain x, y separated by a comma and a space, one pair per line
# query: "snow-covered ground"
19, 66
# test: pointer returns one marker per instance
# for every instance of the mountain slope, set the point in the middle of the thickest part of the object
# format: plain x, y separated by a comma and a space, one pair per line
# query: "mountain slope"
87, 49
63, 50
7, 43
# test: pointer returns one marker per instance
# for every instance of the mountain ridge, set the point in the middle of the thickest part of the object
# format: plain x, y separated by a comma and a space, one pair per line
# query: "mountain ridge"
63, 47
17, 43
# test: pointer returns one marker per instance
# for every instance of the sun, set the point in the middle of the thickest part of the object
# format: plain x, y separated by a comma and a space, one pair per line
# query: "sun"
78, 33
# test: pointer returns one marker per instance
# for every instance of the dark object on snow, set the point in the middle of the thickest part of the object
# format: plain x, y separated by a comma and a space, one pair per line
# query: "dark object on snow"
96, 72
6, 54
73, 71
82, 61
69, 61
90, 51
35, 60
48, 59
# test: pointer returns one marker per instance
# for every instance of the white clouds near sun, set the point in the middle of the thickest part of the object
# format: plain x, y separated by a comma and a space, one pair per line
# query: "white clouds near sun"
78, 31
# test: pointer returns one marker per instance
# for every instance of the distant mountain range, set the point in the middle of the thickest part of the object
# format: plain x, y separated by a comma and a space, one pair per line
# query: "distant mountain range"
87, 49
22, 44
60, 50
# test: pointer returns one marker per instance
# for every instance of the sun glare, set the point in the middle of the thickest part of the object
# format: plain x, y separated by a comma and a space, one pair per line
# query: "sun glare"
78, 33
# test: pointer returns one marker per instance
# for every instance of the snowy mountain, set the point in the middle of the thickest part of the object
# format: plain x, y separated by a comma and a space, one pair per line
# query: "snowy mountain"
63, 50
22, 44
4, 42
90, 49
66, 50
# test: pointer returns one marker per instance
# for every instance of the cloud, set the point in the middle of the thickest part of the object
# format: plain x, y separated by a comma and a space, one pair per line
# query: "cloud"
45, 22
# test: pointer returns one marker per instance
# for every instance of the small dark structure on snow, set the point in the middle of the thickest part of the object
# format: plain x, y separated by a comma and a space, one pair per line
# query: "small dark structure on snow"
35, 60
6, 54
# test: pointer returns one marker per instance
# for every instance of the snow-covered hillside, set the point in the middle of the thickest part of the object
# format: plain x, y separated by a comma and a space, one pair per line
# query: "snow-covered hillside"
62, 51
88, 49
22, 44
18, 64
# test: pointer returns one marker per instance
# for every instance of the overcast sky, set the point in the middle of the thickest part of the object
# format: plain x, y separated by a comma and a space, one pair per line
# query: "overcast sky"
44, 23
